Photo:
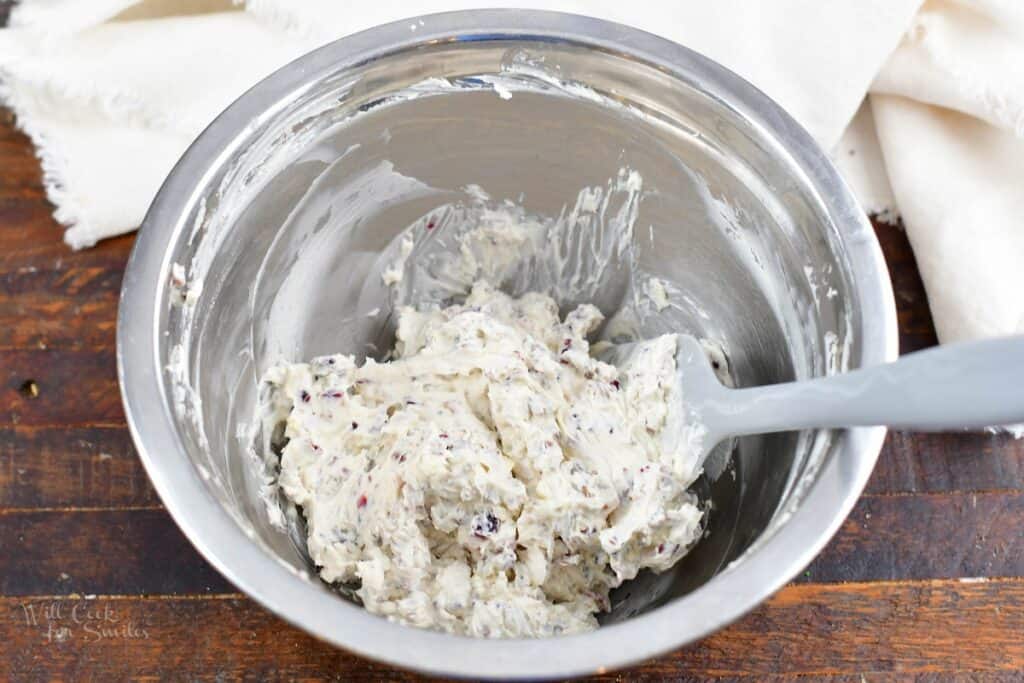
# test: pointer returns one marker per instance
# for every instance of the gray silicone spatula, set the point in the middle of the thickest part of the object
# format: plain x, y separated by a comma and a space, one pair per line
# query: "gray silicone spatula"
959, 386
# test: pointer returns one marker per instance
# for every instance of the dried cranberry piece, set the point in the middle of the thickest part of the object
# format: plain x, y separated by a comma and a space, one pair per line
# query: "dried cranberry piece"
485, 525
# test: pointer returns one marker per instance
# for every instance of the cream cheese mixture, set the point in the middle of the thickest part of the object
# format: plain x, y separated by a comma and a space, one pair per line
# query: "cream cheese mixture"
494, 478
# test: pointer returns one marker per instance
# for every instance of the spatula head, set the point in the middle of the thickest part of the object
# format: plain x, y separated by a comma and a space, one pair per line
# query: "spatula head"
700, 373
703, 377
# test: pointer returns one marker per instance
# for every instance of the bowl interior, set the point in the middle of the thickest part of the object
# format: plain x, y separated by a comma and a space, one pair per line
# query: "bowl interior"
290, 229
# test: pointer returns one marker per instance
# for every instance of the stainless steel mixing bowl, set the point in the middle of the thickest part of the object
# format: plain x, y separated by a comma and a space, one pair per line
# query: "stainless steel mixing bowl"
283, 205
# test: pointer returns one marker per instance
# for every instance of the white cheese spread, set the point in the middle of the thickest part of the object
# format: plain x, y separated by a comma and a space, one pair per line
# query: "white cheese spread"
493, 479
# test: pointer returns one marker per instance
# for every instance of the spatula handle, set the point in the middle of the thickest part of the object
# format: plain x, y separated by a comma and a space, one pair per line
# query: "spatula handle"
966, 385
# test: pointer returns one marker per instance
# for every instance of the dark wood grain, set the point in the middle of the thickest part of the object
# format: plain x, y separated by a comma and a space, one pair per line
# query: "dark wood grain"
931, 463
49, 467
72, 281
942, 535
47, 329
134, 552
23, 176
54, 308
73, 387
915, 321
906, 628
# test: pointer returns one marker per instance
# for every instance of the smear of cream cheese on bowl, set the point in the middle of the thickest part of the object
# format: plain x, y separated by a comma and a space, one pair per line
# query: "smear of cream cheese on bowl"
493, 477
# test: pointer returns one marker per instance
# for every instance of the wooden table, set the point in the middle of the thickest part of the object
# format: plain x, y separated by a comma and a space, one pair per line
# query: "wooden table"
96, 581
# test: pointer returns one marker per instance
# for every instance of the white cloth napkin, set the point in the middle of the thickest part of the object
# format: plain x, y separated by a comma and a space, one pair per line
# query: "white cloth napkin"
112, 91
